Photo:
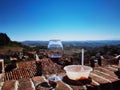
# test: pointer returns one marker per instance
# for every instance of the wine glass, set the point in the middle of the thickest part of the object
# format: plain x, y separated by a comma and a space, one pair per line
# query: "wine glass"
55, 48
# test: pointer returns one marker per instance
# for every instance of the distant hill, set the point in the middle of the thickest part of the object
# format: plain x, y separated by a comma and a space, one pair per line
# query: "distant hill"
4, 39
35, 43
7, 44
91, 44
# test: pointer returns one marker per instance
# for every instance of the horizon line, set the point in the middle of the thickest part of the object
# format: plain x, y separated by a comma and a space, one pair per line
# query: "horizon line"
74, 40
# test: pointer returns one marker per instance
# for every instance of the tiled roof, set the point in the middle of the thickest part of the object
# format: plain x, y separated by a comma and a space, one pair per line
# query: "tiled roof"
102, 78
27, 77
32, 68
24, 70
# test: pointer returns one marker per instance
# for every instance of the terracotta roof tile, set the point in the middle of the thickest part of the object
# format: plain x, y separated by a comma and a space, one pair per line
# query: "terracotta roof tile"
27, 77
26, 84
10, 85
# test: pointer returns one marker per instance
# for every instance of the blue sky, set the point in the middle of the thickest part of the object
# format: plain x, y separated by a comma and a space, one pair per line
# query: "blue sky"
60, 19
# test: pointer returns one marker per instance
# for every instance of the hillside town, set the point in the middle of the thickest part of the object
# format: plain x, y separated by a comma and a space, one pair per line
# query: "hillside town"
34, 66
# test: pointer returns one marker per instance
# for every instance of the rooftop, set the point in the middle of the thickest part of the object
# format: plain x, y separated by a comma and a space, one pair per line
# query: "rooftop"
32, 75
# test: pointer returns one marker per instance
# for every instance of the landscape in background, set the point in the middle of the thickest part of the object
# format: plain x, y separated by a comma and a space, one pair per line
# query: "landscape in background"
76, 44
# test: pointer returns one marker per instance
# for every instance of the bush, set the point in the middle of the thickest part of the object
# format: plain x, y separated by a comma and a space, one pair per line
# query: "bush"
7, 61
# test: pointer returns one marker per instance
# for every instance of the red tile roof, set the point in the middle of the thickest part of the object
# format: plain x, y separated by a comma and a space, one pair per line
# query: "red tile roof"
24, 78
32, 68
24, 70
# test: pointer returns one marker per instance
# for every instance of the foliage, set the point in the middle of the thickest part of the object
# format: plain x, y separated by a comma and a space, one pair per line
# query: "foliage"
7, 61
